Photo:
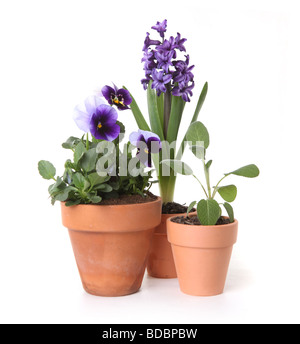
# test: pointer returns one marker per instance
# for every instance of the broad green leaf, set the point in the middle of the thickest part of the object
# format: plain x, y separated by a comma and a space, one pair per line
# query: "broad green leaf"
249, 171
197, 134
71, 203
95, 179
94, 198
80, 182
198, 151
208, 212
57, 187
178, 166
46, 169
88, 160
190, 207
194, 119
228, 193
229, 210
153, 112
139, 118
80, 149
71, 142
177, 107
104, 188
63, 196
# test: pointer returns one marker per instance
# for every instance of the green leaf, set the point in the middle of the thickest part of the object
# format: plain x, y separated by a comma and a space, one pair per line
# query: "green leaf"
94, 198
139, 118
228, 193
153, 112
46, 169
80, 182
71, 203
197, 134
95, 179
198, 151
249, 171
177, 107
104, 188
208, 212
63, 196
230, 211
208, 164
190, 207
178, 166
79, 151
160, 107
71, 142
194, 119
88, 160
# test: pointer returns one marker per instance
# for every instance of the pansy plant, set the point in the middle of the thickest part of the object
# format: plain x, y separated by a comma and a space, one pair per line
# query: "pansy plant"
169, 81
86, 180
208, 209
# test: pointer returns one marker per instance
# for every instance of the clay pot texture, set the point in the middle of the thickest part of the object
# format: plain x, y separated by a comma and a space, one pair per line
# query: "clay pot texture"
161, 262
111, 244
202, 255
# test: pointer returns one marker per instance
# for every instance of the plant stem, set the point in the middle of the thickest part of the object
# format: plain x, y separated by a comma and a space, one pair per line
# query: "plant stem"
167, 188
216, 187
87, 141
201, 185
206, 172
167, 108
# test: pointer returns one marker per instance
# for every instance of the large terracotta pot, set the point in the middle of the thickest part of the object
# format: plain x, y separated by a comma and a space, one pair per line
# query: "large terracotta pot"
161, 262
111, 244
202, 255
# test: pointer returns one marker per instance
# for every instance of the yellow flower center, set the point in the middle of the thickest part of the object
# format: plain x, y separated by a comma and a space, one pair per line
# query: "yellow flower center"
146, 150
99, 125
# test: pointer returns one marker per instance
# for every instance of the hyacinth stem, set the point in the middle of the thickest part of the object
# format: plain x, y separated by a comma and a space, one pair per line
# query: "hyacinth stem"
167, 188
167, 108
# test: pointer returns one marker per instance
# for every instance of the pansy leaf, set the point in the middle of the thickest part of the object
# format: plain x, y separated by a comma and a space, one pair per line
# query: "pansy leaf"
178, 166
72, 202
95, 179
79, 151
198, 151
230, 211
208, 212
94, 198
197, 134
46, 169
228, 193
88, 160
71, 142
80, 182
249, 171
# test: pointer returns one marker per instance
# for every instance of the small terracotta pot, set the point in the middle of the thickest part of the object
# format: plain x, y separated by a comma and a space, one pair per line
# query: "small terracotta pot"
161, 262
202, 255
111, 244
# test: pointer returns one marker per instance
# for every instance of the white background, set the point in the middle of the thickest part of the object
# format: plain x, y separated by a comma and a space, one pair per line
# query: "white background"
56, 53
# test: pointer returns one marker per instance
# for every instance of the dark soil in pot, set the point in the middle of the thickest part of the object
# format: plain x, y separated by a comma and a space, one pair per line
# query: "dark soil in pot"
194, 221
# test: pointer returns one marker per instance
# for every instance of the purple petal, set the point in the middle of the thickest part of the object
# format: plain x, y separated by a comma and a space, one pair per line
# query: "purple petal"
135, 137
125, 95
107, 91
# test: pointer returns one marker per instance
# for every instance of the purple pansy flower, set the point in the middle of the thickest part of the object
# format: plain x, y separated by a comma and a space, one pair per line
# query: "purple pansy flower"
160, 80
119, 97
146, 143
103, 124
161, 28
83, 112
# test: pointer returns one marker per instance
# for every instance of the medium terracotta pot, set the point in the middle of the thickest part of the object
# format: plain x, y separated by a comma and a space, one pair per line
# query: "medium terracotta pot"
111, 244
161, 262
202, 255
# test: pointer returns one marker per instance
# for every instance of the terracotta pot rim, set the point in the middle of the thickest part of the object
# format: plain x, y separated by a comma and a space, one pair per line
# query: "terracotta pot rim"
201, 227
202, 236
116, 205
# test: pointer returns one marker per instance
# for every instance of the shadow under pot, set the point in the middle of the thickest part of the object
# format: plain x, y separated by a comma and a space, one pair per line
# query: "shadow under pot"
111, 244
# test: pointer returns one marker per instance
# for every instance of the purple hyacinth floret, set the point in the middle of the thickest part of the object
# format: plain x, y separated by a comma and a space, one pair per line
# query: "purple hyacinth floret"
161, 28
163, 67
